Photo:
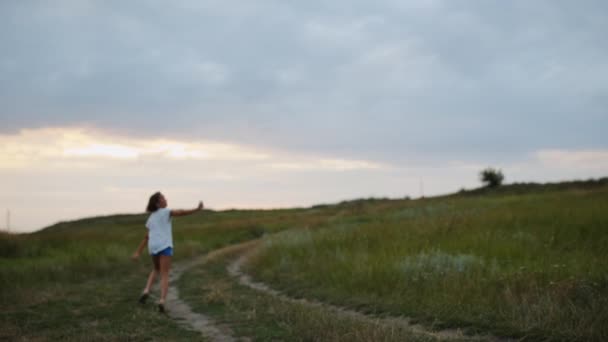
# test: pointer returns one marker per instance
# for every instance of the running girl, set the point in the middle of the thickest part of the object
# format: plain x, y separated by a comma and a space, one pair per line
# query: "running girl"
160, 244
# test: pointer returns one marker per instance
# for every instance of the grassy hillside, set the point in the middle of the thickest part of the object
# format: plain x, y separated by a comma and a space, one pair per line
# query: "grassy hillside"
521, 261
527, 262
75, 280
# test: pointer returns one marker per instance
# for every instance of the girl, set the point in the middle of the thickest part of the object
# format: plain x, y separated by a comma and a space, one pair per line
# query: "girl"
160, 244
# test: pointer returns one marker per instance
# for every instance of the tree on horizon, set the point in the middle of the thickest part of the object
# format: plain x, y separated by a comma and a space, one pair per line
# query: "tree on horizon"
491, 177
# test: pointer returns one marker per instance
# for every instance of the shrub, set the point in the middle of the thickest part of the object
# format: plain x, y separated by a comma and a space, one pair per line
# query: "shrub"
491, 177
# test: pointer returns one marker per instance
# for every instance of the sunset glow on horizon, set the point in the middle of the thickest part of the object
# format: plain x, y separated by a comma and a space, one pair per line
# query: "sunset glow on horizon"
49, 166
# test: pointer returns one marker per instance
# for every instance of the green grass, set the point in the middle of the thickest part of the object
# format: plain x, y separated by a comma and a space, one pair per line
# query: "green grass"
264, 318
533, 264
100, 309
75, 281
527, 261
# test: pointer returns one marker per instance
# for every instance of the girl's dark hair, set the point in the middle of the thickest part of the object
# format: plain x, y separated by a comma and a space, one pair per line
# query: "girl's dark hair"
153, 202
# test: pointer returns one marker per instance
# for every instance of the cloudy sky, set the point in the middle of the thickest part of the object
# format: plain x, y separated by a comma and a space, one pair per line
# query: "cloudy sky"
260, 104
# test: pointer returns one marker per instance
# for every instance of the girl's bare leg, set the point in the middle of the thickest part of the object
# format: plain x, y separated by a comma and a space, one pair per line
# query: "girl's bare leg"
153, 274
165, 266
151, 279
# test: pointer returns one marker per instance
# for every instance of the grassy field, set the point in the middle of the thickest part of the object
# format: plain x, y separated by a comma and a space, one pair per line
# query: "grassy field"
520, 264
518, 261
262, 317
75, 280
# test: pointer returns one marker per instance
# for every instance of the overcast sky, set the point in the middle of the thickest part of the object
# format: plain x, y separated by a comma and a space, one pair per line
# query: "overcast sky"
291, 103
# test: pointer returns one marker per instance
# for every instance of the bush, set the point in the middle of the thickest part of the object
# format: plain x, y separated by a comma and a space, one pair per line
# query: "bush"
491, 177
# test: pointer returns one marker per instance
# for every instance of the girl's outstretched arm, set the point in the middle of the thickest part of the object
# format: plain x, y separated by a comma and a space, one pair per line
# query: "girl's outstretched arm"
184, 212
140, 248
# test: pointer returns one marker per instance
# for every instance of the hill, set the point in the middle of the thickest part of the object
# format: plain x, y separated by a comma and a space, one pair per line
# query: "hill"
521, 260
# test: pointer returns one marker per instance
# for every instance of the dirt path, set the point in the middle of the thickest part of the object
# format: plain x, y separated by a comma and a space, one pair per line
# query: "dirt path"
183, 313
235, 270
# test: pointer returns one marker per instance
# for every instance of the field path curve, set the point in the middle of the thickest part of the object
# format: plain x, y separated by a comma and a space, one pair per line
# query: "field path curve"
235, 270
183, 313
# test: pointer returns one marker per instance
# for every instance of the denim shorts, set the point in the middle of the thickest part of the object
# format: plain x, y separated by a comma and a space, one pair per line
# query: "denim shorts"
166, 252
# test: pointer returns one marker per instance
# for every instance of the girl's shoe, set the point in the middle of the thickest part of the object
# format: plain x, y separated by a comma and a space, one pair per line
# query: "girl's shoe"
143, 298
161, 308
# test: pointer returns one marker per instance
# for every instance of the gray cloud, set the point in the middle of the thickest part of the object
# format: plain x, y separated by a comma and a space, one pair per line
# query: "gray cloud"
388, 80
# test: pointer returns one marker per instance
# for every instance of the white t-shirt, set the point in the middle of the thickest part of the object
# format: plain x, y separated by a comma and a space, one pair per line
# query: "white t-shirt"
160, 235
